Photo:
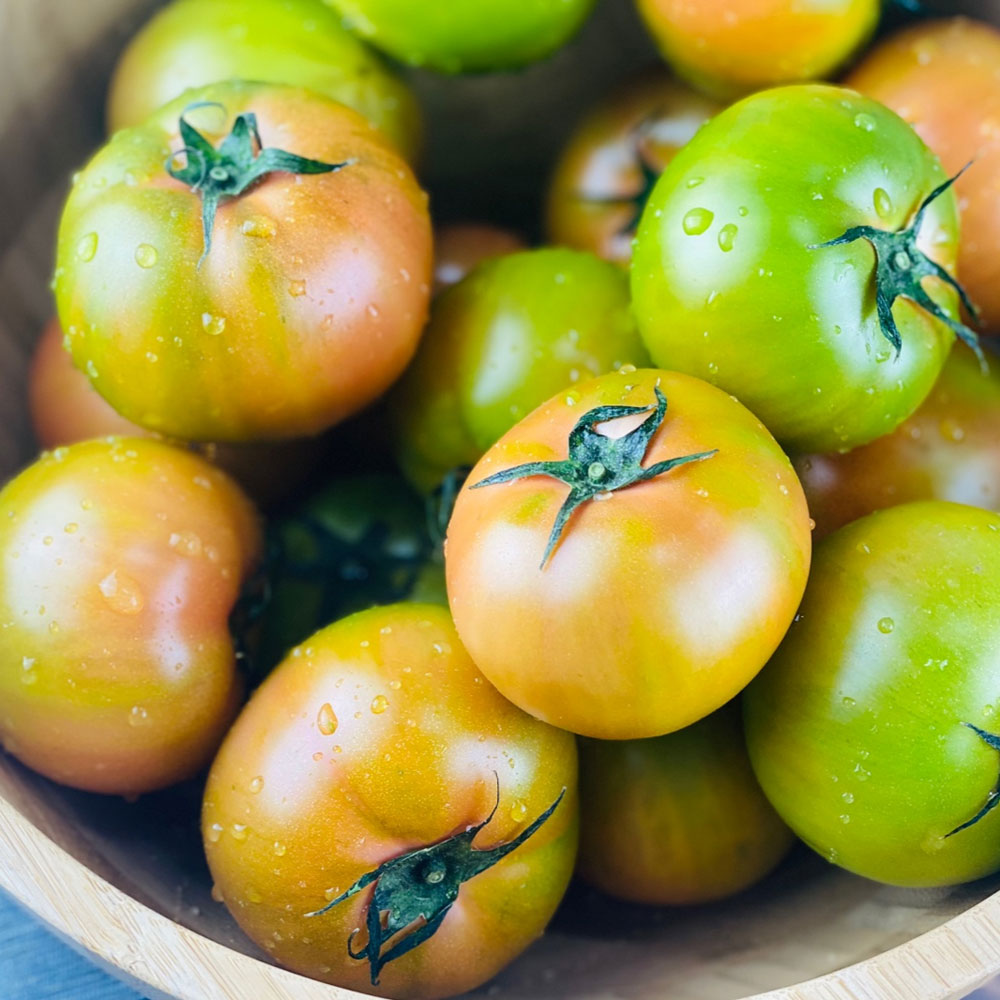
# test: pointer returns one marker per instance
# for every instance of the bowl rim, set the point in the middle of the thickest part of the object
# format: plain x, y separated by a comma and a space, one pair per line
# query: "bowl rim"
150, 949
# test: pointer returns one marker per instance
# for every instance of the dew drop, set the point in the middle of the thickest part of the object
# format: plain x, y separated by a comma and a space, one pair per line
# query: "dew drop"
379, 704
213, 834
138, 716
326, 720
518, 811
886, 625
864, 121
261, 227
694, 182
256, 784
727, 237
296, 289
213, 325
238, 832
882, 202
279, 849
86, 249
187, 543
122, 593
697, 221
146, 256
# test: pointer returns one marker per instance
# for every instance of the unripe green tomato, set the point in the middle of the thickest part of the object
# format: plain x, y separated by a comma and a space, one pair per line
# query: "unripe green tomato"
860, 729
678, 819
731, 281
191, 43
465, 36
515, 331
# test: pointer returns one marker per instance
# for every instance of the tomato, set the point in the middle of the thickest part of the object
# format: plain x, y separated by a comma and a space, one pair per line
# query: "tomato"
458, 248
859, 728
301, 305
613, 159
645, 596
361, 541
466, 36
948, 450
121, 562
376, 740
676, 820
731, 47
65, 408
941, 77
503, 340
733, 279
192, 43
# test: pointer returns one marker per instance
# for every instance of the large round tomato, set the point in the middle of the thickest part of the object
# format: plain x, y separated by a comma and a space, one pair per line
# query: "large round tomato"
299, 305
466, 36
732, 280
120, 562
679, 819
191, 43
730, 47
458, 248
873, 729
611, 595
941, 77
503, 340
65, 408
609, 167
948, 450
377, 778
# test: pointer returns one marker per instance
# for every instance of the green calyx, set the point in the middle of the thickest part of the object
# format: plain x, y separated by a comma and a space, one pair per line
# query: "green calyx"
240, 161
993, 799
597, 464
901, 267
414, 892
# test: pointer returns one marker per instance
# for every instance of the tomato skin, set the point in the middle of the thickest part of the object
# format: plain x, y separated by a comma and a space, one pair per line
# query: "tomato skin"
122, 559
640, 623
193, 43
313, 812
65, 408
940, 77
500, 342
308, 306
677, 820
460, 247
726, 287
948, 450
598, 182
466, 36
731, 47
860, 713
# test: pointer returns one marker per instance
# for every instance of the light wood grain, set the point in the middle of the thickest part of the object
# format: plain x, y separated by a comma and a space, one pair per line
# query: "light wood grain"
127, 883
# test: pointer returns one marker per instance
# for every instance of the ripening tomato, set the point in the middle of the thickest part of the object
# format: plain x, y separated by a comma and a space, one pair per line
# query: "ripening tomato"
122, 560
731, 47
941, 77
619, 596
288, 307
812, 279
607, 170
873, 731
65, 408
192, 43
375, 779
466, 36
679, 819
500, 342
458, 248
948, 450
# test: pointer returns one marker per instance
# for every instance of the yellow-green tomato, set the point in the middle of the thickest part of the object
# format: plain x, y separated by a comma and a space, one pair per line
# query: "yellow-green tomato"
515, 331
191, 43
121, 560
376, 781
679, 819
873, 730
465, 36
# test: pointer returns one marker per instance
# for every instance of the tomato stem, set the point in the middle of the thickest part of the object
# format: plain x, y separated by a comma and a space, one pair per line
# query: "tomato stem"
414, 892
240, 161
993, 799
901, 267
597, 464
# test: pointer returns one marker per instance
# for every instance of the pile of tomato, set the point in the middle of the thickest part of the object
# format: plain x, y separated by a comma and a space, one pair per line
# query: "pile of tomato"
577, 623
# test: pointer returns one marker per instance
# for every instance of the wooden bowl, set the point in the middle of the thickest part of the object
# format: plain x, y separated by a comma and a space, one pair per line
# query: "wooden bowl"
128, 883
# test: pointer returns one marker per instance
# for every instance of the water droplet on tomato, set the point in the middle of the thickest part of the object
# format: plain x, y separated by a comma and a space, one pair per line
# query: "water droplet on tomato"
296, 289
138, 716
213, 325
213, 834
238, 832
261, 227
326, 720
727, 237
187, 543
122, 593
697, 221
865, 121
379, 704
146, 256
882, 202
886, 625
256, 784
86, 249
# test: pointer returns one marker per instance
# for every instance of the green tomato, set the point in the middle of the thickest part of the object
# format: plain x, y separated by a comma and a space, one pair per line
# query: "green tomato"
191, 43
679, 819
456, 36
730, 282
514, 332
860, 729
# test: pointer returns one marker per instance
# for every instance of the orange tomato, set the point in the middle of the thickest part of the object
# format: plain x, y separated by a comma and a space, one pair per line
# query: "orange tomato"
458, 248
941, 76
377, 738
661, 600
